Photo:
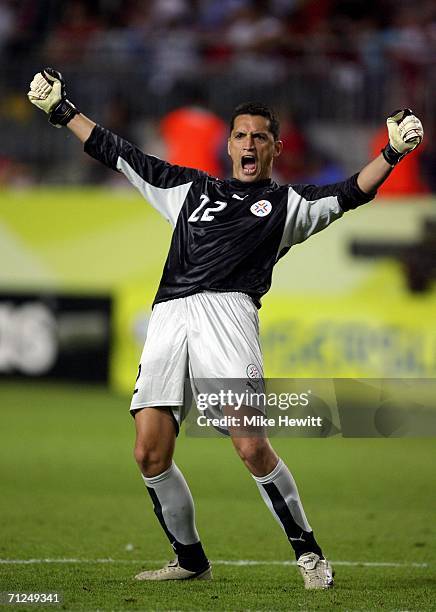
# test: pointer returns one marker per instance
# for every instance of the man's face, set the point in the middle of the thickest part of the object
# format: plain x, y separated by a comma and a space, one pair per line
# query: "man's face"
252, 148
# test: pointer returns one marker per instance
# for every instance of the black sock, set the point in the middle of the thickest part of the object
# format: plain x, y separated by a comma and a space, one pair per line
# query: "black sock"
191, 556
304, 544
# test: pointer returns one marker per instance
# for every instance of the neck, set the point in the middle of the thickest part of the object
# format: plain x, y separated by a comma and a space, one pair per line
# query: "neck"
248, 184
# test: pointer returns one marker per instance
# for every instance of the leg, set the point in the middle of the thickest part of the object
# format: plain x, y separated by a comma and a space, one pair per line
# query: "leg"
279, 491
251, 444
230, 323
275, 482
172, 499
155, 440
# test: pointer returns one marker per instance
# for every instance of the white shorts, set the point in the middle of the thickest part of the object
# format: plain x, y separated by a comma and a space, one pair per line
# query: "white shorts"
207, 335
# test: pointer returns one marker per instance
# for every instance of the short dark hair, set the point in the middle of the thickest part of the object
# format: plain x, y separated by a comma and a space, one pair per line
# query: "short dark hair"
257, 108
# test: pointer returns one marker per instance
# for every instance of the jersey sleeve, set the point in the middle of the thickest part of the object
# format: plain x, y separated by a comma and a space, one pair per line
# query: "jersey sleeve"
165, 186
311, 208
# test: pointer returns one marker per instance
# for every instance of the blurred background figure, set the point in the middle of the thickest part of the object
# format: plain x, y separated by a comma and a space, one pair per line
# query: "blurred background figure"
291, 165
69, 40
253, 36
174, 52
14, 174
194, 136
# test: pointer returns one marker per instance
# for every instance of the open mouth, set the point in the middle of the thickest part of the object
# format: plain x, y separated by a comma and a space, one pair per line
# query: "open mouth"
249, 164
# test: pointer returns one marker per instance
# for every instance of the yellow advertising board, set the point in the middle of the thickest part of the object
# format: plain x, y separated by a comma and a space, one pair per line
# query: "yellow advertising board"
365, 334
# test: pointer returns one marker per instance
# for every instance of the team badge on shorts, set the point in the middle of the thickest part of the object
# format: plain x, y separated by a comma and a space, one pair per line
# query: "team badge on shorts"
252, 371
261, 208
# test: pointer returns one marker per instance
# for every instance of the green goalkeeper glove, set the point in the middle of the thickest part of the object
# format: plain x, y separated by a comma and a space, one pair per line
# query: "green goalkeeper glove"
47, 92
405, 134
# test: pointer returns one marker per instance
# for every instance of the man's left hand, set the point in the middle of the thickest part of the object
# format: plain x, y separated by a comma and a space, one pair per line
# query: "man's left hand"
405, 134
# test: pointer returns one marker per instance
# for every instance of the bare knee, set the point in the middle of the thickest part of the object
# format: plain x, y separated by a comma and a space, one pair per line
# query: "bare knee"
155, 440
151, 459
257, 454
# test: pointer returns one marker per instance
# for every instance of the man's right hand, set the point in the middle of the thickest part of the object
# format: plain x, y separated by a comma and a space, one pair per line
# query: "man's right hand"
47, 92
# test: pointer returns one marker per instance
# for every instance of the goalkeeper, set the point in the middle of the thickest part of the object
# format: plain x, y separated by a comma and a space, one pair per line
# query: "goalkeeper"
228, 234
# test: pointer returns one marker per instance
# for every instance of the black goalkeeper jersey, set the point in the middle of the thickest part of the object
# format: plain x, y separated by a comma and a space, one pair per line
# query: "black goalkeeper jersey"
228, 234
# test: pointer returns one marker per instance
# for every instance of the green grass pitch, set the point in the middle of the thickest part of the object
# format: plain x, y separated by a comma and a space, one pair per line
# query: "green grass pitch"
70, 492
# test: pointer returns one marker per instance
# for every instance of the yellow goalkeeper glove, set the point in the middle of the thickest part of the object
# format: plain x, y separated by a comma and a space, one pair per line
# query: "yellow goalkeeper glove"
47, 92
405, 134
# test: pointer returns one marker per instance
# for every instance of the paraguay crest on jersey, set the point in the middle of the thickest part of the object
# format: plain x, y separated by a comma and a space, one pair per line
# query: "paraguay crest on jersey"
261, 208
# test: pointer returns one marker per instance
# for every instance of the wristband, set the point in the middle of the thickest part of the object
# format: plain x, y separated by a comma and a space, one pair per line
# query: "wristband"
391, 155
62, 113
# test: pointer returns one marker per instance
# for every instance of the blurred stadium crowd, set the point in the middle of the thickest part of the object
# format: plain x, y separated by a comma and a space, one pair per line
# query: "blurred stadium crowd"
332, 68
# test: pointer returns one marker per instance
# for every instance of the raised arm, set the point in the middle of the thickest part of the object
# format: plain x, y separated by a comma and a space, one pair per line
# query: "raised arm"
311, 208
405, 134
163, 185
48, 92
374, 174
81, 126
